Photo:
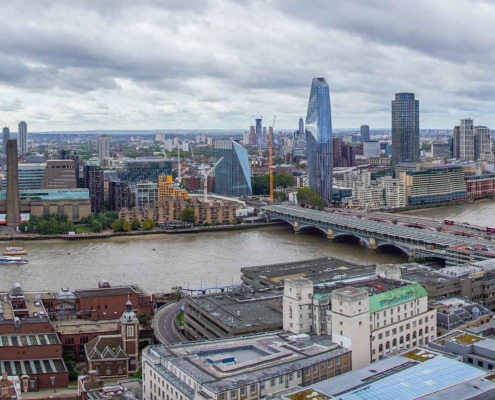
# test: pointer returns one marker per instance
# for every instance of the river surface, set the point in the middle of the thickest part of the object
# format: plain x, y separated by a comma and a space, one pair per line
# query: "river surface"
481, 213
158, 262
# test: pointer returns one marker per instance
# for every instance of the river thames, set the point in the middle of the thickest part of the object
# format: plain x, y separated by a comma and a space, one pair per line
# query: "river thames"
158, 262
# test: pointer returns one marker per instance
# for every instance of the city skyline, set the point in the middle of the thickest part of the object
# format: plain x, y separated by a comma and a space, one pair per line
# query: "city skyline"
62, 81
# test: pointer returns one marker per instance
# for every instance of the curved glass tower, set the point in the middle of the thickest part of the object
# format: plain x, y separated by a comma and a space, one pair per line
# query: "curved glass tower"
319, 139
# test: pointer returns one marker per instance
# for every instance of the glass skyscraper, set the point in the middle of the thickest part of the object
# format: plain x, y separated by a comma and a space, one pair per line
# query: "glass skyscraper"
232, 175
405, 129
319, 139
259, 134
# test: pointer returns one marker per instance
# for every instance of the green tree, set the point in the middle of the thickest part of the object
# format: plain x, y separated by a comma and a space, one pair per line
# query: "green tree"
306, 196
95, 226
279, 197
117, 225
188, 215
260, 184
144, 319
126, 226
284, 180
148, 224
135, 224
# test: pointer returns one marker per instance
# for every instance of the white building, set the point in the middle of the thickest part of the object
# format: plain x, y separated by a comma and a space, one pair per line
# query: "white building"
371, 148
466, 140
297, 305
302, 181
103, 149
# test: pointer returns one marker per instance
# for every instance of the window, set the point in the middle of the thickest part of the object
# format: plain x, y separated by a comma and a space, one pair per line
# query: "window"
291, 377
341, 323
323, 365
426, 319
337, 360
470, 360
359, 303
253, 389
414, 324
387, 334
280, 380
309, 295
272, 383
360, 323
315, 368
299, 374
401, 340
262, 385
222, 396
408, 326
490, 366
480, 363
401, 328
421, 321
387, 345
394, 331
377, 325
380, 336
233, 394
307, 372
394, 343
243, 391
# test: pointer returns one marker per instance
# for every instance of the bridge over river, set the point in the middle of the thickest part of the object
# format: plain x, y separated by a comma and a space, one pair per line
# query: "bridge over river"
381, 234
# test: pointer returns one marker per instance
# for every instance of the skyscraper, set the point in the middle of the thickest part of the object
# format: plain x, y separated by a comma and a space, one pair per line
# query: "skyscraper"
232, 175
482, 141
23, 137
13, 204
466, 140
103, 149
265, 135
301, 126
405, 129
252, 136
365, 133
6, 136
259, 134
319, 139
455, 142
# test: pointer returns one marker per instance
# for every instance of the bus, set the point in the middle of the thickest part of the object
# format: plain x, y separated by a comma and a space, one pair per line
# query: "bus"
448, 222
490, 230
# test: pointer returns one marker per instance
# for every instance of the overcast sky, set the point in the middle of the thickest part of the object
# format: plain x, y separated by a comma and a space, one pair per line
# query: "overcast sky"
184, 64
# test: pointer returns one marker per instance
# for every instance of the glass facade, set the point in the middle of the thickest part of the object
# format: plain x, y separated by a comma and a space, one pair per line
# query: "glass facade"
319, 139
146, 193
232, 175
405, 129
30, 176
50, 194
259, 133
145, 169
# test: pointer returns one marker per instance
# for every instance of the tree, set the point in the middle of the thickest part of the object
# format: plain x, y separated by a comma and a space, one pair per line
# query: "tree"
117, 225
126, 226
148, 224
135, 224
307, 196
260, 184
280, 197
95, 226
188, 215
144, 319
284, 180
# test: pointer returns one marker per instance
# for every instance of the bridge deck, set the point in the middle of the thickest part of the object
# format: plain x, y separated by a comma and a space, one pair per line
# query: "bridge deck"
369, 228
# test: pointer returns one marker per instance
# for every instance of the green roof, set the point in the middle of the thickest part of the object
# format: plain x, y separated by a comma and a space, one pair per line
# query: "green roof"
322, 296
396, 296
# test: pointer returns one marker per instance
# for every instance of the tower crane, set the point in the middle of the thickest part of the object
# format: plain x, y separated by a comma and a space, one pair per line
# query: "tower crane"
205, 179
270, 157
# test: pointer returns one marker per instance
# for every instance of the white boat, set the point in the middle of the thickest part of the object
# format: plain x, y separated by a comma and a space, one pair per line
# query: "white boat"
12, 260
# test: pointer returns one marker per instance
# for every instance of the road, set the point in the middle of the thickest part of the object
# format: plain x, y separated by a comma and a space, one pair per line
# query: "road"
419, 222
164, 318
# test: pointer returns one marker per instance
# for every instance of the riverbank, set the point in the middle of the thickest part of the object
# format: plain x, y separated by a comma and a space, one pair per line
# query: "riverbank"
108, 235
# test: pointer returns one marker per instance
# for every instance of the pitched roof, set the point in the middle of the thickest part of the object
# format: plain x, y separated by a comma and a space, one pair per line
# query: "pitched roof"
396, 296
105, 347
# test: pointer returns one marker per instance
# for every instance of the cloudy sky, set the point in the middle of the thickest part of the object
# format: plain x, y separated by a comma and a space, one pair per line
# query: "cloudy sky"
184, 64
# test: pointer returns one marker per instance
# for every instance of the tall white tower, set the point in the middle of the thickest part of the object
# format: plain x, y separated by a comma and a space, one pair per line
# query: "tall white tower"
103, 149
297, 305
351, 323
23, 137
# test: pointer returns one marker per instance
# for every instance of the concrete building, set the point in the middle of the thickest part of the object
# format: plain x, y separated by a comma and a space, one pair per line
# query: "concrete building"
13, 204
240, 368
146, 193
145, 169
59, 174
94, 181
23, 147
167, 189
301, 126
466, 140
119, 195
405, 129
103, 149
480, 186
440, 150
482, 142
371, 148
434, 185
365, 133
5, 138
418, 373
456, 142
30, 176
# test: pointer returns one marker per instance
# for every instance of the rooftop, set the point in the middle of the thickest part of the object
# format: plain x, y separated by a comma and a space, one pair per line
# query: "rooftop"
74, 326
29, 367
225, 364
110, 291
28, 340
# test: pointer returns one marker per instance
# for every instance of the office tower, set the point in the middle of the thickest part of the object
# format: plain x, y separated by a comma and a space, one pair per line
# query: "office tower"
72, 155
23, 137
93, 180
245, 138
259, 134
6, 136
103, 149
440, 150
405, 129
466, 140
265, 137
145, 169
13, 205
119, 195
30, 176
232, 175
455, 140
60, 174
301, 126
451, 147
371, 148
365, 133
146, 193
252, 136
319, 139
482, 141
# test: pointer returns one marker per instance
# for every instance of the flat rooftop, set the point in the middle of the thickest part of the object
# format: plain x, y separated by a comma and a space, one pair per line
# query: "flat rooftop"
243, 307
270, 355
74, 326
33, 367
33, 302
13, 340
110, 291
316, 270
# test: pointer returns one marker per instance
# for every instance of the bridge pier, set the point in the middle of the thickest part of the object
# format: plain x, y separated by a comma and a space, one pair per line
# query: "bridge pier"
330, 234
373, 243
296, 227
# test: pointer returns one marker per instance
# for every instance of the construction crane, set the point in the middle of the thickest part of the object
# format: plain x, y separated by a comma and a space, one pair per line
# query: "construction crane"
270, 157
205, 179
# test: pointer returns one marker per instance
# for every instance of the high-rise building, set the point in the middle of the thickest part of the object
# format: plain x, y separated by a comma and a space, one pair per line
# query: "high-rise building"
23, 137
319, 139
252, 135
146, 193
265, 135
259, 133
482, 141
245, 138
94, 181
6, 136
119, 195
145, 169
405, 129
30, 176
13, 204
455, 142
60, 174
365, 133
466, 140
103, 149
371, 148
232, 175
301, 126
72, 155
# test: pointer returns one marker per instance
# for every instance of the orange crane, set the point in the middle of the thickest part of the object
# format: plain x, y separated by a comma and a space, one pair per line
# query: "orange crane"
270, 157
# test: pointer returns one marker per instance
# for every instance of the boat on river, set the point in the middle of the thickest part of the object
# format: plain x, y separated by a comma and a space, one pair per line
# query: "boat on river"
12, 260
14, 251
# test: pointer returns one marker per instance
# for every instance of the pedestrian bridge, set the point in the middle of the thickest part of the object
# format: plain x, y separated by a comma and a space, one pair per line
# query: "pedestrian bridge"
373, 234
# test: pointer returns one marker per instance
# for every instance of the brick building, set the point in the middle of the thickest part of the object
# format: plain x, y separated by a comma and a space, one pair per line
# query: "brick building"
480, 186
